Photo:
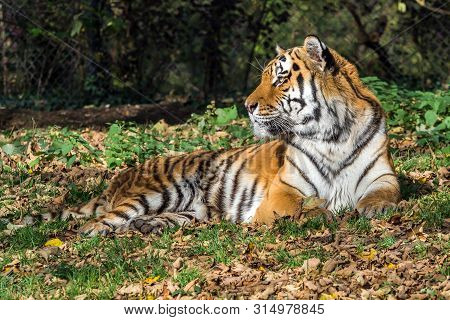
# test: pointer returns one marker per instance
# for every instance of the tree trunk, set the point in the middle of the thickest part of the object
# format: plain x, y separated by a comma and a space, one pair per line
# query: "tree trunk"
4, 60
372, 41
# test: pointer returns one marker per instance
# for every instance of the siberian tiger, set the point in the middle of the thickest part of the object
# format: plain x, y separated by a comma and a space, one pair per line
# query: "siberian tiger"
329, 142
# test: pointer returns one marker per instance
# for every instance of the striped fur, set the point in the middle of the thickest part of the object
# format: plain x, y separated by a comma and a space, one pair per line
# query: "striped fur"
329, 141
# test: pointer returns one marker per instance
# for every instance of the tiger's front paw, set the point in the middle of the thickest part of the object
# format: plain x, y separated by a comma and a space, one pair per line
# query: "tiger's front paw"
93, 228
370, 208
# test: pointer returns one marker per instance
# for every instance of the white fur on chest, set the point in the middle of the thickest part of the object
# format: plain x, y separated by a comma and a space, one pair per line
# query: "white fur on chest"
333, 171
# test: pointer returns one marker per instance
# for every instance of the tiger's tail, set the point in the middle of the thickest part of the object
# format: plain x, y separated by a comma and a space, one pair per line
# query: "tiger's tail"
94, 207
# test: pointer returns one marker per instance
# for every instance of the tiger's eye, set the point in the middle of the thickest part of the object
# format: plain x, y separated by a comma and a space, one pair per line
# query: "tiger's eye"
283, 59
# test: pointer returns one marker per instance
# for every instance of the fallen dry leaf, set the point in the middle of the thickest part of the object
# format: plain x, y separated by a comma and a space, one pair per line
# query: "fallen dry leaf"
190, 286
131, 289
311, 264
369, 255
54, 243
178, 263
329, 265
151, 280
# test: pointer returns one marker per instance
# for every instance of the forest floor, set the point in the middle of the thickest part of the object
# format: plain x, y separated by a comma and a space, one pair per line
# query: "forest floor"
402, 254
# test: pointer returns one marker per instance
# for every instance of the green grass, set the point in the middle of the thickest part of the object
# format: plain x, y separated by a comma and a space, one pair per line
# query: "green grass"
434, 208
296, 259
187, 275
289, 228
32, 237
217, 241
386, 242
420, 249
359, 224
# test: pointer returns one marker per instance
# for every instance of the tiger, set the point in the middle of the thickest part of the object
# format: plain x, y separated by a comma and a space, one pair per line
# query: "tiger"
323, 135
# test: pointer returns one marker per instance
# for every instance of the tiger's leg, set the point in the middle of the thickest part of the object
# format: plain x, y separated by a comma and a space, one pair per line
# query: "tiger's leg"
108, 222
119, 216
382, 194
281, 200
155, 223
95, 206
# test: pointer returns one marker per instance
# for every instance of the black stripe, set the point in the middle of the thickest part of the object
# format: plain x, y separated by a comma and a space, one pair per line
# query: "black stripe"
313, 87
280, 151
191, 194
164, 193
236, 182
131, 206
179, 195
107, 224
373, 126
173, 165
144, 203
303, 174
367, 169
95, 207
386, 174
120, 214
241, 204
254, 149
252, 194
166, 164
358, 93
313, 161
221, 192
300, 82
316, 111
291, 186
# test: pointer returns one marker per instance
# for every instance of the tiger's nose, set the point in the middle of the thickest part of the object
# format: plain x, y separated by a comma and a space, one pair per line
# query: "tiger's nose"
251, 107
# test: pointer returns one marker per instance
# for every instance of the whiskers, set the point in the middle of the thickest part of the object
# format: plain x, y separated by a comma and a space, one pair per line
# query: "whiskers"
278, 126
256, 67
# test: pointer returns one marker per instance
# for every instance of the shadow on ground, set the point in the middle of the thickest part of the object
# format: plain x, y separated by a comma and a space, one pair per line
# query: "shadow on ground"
411, 189
171, 112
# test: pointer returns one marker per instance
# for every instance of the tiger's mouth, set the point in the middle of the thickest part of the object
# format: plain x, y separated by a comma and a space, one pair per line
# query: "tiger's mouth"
272, 127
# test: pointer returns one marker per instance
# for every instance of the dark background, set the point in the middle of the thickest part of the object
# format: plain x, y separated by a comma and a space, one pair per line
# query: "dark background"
67, 54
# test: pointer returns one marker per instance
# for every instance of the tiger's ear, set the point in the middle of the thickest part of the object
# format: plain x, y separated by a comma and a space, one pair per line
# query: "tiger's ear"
280, 50
318, 52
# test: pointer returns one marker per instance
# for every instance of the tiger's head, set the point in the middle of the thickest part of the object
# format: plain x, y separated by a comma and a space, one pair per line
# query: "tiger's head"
309, 92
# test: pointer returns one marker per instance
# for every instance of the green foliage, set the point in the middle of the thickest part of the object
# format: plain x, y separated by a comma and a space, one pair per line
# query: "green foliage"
213, 117
62, 144
128, 143
435, 208
425, 113
217, 241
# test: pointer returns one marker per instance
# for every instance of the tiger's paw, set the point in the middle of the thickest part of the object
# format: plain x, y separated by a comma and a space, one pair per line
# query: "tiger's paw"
371, 208
93, 228
148, 224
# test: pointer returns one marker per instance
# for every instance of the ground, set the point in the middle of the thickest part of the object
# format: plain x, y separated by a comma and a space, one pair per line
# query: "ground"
403, 254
